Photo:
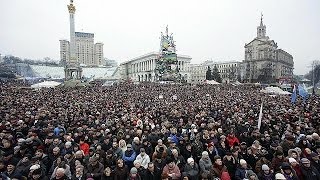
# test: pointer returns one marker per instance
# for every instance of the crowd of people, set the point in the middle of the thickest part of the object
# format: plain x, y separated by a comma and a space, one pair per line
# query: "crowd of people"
156, 131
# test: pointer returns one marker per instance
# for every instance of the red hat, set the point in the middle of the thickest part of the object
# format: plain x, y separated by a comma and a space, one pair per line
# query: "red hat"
210, 144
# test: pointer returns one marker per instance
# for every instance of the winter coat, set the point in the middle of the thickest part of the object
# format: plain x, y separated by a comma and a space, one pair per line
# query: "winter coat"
128, 158
310, 173
96, 170
121, 173
192, 171
144, 160
156, 175
175, 170
240, 173
205, 165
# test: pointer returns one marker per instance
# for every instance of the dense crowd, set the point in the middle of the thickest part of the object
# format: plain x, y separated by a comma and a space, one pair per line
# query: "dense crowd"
151, 132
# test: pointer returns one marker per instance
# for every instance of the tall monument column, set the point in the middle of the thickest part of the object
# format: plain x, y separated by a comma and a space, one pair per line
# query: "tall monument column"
72, 10
72, 69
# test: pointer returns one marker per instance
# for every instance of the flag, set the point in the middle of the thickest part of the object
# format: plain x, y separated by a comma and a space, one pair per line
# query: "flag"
303, 92
294, 95
260, 116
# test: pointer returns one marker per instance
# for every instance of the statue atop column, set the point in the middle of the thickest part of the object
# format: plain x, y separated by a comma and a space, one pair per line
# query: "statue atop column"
167, 62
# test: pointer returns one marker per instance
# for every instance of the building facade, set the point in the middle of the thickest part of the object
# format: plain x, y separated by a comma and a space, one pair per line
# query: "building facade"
88, 53
143, 67
264, 62
229, 71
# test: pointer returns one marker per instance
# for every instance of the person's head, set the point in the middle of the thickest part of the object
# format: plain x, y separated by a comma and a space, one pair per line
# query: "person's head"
314, 156
151, 166
175, 153
137, 163
205, 155
56, 151
133, 172
308, 151
79, 171
11, 167
305, 162
107, 171
93, 160
60, 173
293, 162
160, 143
136, 140
280, 176
217, 160
39, 153
265, 169
114, 145
77, 163
56, 141
6, 143
129, 147
243, 163
170, 162
142, 151
251, 175
120, 163
36, 173
294, 154
190, 161
279, 154
286, 168
79, 155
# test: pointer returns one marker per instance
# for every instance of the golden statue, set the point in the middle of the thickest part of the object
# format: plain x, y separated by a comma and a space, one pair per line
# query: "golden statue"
71, 7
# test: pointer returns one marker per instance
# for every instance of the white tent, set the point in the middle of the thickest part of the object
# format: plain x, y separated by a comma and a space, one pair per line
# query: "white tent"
211, 82
46, 84
275, 90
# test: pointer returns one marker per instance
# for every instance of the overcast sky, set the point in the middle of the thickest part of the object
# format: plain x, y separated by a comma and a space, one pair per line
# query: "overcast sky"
203, 29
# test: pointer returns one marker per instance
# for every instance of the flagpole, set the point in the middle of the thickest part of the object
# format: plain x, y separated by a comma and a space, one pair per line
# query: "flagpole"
260, 115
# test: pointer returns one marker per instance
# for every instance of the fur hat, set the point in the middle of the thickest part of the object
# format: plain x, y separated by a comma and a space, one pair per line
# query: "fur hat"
265, 167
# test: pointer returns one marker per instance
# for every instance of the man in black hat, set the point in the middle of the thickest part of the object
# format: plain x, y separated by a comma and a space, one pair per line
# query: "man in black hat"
288, 172
11, 169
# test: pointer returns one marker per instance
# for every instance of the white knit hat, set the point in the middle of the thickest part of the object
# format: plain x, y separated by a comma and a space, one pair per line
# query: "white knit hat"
205, 153
242, 161
34, 167
189, 160
280, 176
265, 167
291, 160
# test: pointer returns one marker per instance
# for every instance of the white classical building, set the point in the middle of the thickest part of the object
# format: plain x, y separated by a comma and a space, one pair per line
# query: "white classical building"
142, 68
264, 61
87, 52
229, 71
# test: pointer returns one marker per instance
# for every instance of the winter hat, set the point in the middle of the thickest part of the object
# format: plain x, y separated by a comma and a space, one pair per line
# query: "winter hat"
189, 160
285, 165
68, 143
136, 161
305, 161
265, 167
279, 176
242, 161
292, 160
133, 170
250, 173
205, 153
129, 146
34, 167
313, 154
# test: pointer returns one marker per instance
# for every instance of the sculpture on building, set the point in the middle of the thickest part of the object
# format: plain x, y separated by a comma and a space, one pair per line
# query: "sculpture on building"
167, 62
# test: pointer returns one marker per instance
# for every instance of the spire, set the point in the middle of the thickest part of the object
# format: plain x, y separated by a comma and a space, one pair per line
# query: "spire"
167, 33
261, 30
261, 21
